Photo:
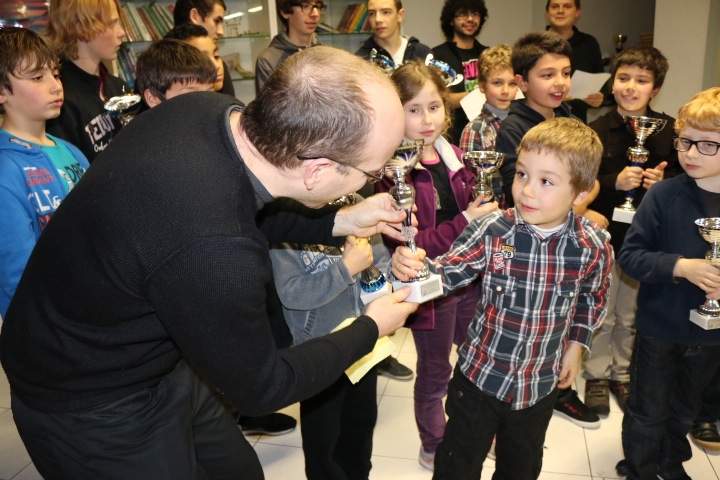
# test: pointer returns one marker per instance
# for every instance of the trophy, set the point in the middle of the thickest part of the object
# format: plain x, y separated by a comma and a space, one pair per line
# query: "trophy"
451, 78
425, 286
372, 282
619, 42
707, 315
485, 164
123, 107
643, 128
386, 64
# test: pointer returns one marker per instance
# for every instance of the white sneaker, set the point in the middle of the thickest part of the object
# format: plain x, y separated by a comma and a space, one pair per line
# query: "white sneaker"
427, 460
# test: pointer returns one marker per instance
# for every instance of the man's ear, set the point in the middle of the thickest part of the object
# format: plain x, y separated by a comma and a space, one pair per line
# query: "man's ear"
195, 16
150, 98
313, 171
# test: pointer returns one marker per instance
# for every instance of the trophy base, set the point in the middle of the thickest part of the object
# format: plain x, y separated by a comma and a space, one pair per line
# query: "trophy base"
705, 322
422, 290
623, 215
368, 297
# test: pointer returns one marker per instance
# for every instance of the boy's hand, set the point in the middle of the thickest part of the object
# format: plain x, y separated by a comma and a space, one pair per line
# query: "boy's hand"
596, 217
654, 175
700, 273
390, 311
406, 264
629, 178
478, 209
357, 254
570, 364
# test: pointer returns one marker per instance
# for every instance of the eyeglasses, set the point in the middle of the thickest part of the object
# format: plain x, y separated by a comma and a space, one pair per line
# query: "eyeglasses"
307, 7
705, 147
465, 13
372, 177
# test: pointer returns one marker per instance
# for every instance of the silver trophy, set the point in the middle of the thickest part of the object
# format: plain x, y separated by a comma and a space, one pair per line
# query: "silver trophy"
485, 164
372, 282
449, 75
425, 286
386, 64
123, 107
643, 128
707, 315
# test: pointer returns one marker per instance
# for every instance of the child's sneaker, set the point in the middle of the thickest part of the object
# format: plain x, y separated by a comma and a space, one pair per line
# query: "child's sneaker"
568, 405
427, 460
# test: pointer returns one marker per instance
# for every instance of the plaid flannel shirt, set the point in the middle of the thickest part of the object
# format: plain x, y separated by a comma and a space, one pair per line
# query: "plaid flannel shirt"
537, 294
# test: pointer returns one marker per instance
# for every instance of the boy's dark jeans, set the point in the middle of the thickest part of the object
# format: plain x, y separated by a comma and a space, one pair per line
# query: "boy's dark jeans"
666, 385
474, 419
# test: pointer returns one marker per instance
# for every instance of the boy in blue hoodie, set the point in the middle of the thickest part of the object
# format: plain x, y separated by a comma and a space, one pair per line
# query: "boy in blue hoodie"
37, 170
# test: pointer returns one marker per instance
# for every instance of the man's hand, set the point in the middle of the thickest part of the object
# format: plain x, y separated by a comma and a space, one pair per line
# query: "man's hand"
570, 364
406, 264
376, 214
357, 254
390, 311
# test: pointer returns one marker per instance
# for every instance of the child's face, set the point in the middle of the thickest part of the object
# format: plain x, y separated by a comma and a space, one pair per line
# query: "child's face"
500, 88
562, 14
633, 88
541, 189
213, 23
179, 88
106, 44
547, 84
36, 95
301, 23
425, 115
384, 18
208, 47
705, 169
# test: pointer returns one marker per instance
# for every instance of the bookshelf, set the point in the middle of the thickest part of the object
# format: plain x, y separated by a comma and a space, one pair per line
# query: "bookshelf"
344, 24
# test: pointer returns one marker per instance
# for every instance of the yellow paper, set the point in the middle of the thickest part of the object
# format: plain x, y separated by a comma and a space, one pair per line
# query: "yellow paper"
383, 348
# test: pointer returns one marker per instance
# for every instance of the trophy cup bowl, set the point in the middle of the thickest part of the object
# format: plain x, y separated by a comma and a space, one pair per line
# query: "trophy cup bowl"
425, 286
485, 164
643, 128
123, 107
707, 315
620, 40
449, 75
386, 64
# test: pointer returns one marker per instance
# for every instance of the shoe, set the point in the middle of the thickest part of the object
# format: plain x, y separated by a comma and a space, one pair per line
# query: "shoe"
621, 391
705, 435
623, 469
597, 396
391, 368
491, 453
427, 460
568, 405
272, 424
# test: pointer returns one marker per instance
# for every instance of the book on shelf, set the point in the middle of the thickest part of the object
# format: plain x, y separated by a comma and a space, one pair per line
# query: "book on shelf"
134, 16
325, 28
345, 19
359, 23
149, 25
132, 35
164, 16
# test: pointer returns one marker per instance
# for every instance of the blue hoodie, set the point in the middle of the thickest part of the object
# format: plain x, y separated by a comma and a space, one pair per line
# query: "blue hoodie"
31, 189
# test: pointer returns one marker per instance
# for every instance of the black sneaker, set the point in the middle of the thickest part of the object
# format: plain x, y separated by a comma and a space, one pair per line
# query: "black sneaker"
272, 424
568, 405
391, 368
705, 435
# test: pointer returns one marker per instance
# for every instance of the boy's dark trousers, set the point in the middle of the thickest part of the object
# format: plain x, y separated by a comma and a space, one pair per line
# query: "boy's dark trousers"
337, 428
666, 385
475, 418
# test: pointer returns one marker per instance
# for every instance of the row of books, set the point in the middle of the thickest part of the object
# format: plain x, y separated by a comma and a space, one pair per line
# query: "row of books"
354, 19
126, 61
147, 23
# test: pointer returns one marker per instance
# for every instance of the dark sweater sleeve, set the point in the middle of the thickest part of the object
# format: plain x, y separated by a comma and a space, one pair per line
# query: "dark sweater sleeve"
211, 299
286, 220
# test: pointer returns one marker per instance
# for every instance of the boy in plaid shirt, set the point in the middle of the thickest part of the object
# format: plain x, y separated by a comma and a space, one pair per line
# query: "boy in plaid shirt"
545, 274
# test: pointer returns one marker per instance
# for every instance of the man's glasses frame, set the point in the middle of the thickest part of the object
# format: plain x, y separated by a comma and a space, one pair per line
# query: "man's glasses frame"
467, 13
307, 7
704, 147
372, 177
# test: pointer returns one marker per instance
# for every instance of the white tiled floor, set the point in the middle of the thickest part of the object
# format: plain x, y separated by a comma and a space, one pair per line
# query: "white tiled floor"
571, 453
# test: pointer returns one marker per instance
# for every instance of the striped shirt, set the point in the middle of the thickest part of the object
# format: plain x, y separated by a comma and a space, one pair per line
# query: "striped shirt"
537, 294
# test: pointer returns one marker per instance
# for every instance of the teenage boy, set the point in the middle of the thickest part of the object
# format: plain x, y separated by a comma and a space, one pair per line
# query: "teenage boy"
168, 68
143, 303
586, 55
638, 74
544, 272
461, 22
300, 20
198, 37
673, 360
37, 169
208, 14
386, 17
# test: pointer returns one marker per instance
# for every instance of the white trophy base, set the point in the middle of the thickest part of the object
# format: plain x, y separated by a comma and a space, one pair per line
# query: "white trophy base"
622, 215
422, 290
704, 321
368, 297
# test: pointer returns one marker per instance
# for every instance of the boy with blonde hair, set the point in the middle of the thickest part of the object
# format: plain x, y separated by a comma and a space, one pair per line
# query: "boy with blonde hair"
674, 360
544, 274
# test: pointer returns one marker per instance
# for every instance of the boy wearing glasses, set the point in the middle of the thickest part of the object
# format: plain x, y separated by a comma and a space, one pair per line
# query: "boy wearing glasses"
461, 22
674, 360
638, 74
300, 20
